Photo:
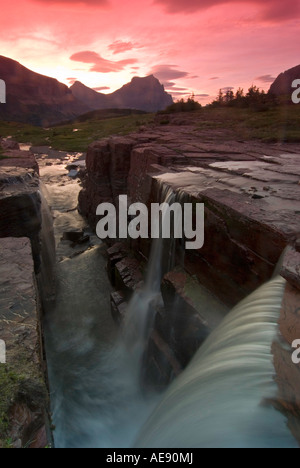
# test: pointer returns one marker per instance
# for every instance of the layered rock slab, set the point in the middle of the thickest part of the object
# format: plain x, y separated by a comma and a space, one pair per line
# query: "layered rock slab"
251, 194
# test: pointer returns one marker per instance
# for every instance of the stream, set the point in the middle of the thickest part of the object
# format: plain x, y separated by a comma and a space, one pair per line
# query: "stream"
95, 396
225, 396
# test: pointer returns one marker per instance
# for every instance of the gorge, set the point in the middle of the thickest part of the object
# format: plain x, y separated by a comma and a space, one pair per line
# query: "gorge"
109, 385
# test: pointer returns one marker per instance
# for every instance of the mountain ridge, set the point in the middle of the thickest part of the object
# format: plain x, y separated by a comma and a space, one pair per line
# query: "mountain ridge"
34, 98
146, 94
44, 101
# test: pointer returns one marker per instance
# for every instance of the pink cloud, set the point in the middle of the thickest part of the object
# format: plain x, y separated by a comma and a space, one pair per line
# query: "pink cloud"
177, 88
179, 94
89, 3
227, 88
273, 10
165, 73
266, 78
99, 64
171, 85
101, 88
71, 80
233, 42
118, 47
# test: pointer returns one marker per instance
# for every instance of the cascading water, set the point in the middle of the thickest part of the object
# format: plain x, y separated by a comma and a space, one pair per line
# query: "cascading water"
94, 371
221, 399
143, 306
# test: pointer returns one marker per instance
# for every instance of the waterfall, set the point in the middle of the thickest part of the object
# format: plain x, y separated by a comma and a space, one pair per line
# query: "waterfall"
145, 301
94, 375
221, 399
94, 372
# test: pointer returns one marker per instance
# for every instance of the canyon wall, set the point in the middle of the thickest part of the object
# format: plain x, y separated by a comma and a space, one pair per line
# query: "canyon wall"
251, 194
24, 403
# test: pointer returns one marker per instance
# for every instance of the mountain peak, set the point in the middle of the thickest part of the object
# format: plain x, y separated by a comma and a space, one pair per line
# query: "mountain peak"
34, 98
282, 86
145, 78
41, 100
142, 93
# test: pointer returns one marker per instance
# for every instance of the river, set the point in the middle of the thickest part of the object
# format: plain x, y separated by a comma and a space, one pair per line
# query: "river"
95, 396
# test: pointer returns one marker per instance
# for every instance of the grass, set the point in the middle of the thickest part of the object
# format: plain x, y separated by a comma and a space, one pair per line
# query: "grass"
277, 124
9, 386
20, 383
64, 138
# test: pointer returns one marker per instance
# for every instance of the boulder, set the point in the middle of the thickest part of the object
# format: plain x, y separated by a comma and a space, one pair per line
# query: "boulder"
118, 306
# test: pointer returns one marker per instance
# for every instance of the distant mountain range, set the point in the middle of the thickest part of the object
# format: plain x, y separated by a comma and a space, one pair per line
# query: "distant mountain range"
34, 98
40, 100
145, 94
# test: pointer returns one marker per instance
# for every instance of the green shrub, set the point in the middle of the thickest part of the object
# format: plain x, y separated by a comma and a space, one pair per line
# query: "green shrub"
183, 106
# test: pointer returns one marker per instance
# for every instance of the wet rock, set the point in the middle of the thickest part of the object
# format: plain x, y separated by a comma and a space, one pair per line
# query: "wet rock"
185, 322
73, 174
8, 144
20, 159
128, 275
287, 372
77, 237
288, 382
289, 322
76, 165
115, 254
160, 366
118, 306
20, 207
291, 268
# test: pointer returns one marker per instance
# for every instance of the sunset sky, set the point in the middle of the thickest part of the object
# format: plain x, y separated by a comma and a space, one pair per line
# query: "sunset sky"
195, 46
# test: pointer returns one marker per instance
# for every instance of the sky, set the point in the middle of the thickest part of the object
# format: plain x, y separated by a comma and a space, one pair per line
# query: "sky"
191, 46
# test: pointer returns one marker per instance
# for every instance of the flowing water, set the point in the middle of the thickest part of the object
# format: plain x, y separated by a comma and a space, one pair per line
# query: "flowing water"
94, 382
94, 371
223, 398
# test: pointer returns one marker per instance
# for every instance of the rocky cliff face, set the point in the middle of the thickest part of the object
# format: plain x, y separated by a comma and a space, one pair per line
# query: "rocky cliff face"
251, 193
146, 94
40, 100
288, 373
23, 392
23, 395
282, 86
36, 99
